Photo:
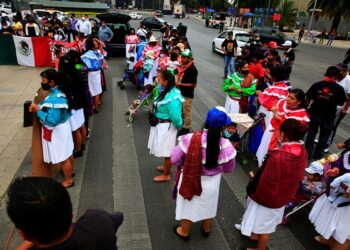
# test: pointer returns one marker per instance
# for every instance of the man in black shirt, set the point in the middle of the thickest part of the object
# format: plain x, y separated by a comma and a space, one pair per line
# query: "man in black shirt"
229, 46
187, 81
41, 210
288, 56
325, 95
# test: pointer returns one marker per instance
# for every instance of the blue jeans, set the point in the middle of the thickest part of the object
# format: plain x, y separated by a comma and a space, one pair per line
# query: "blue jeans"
229, 61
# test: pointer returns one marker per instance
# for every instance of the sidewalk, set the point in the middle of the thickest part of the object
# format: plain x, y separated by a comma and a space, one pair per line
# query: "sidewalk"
17, 84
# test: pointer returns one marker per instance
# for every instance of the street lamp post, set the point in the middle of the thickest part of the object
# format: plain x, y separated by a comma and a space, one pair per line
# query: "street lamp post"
312, 17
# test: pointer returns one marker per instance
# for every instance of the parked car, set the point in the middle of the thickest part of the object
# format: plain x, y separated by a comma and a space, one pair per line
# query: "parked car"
159, 13
119, 24
5, 8
135, 15
153, 23
241, 36
42, 12
267, 34
216, 19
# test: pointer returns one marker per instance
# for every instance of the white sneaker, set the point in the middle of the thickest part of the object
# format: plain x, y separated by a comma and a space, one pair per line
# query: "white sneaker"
238, 227
315, 141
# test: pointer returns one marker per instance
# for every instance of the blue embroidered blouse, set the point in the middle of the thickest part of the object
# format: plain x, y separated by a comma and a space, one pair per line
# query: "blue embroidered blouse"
93, 60
54, 109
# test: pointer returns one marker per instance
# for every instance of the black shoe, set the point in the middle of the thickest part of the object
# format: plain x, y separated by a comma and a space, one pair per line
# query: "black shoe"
184, 238
225, 76
77, 154
82, 147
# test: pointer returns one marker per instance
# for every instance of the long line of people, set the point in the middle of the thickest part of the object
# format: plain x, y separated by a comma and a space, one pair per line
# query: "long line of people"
260, 85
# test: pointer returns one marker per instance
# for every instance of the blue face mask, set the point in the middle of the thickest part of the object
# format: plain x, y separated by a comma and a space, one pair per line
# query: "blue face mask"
227, 134
161, 88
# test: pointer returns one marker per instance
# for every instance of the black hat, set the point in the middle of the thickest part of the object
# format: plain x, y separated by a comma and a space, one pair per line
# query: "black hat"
342, 66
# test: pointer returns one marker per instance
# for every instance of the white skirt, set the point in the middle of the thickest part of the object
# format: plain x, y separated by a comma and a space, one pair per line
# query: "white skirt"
268, 114
61, 146
129, 53
77, 119
94, 80
155, 67
330, 221
264, 144
231, 106
259, 219
148, 80
162, 139
200, 207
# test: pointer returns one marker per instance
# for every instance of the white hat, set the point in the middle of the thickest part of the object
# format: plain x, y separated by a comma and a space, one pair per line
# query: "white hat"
315, 168
287, 43
152, 39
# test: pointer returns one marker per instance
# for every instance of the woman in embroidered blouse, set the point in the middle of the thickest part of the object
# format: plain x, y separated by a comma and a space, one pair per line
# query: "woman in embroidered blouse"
54, 114
93, 60
292, 107
168, 111
217, 155
275, 184
269, 99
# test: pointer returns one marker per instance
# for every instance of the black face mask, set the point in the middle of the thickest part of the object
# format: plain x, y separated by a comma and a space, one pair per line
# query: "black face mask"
45, 86
245, 72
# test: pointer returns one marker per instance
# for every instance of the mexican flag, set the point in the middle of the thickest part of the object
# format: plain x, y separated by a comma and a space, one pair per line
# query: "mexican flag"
28, 51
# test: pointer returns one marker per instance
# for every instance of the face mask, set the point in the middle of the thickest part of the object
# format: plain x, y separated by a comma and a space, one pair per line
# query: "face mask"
227, 134
45, 86
245, 72
161, 55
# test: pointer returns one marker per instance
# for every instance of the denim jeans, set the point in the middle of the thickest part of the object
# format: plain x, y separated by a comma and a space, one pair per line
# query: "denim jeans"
229, 61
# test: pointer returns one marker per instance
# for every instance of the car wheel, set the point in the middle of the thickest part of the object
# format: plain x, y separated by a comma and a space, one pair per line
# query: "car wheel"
213, 47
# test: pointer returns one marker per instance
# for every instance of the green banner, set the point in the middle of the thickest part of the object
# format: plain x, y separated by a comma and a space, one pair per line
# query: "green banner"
7, 50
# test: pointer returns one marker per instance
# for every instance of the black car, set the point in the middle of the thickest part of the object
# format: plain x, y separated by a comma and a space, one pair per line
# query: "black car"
153, 23
159, 13
119, 24
267, 34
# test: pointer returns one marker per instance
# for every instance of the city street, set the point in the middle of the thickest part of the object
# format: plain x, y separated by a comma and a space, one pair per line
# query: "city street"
116, 170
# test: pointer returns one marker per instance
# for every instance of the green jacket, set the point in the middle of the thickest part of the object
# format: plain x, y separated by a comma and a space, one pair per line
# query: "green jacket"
235, 80
170, 108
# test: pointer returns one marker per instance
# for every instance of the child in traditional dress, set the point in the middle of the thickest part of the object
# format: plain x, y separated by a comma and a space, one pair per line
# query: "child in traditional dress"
231, 134
54, 114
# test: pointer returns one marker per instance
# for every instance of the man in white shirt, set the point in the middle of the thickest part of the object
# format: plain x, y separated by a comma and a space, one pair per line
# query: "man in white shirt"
344, 81
83, 25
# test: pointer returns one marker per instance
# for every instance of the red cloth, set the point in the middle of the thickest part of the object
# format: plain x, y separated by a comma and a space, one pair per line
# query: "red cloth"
191, 176
256, 70
272, 94
280, 179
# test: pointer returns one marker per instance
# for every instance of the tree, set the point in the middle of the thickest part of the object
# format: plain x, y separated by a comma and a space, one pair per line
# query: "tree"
288, 13
333, 9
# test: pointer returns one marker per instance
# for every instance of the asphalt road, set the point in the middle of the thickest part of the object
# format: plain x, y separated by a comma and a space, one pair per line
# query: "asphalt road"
116, 170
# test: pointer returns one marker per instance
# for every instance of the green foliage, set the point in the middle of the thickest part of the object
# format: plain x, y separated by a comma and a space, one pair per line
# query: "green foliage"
288, 13
333, 9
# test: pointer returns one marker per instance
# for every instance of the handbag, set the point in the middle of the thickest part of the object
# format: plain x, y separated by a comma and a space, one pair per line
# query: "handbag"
253, 183
152, 119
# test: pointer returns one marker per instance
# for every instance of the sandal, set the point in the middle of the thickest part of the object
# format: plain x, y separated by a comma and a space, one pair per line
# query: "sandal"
184, 238
160, 168
161, 178
69, 186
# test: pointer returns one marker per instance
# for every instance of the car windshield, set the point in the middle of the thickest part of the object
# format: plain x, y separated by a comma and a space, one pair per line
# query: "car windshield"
242, 37
161, 20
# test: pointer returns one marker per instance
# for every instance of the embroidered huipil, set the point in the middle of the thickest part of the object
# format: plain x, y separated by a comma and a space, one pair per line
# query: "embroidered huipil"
236, 80
93, 60
271, 95
226, 160
54, 109
170, 108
